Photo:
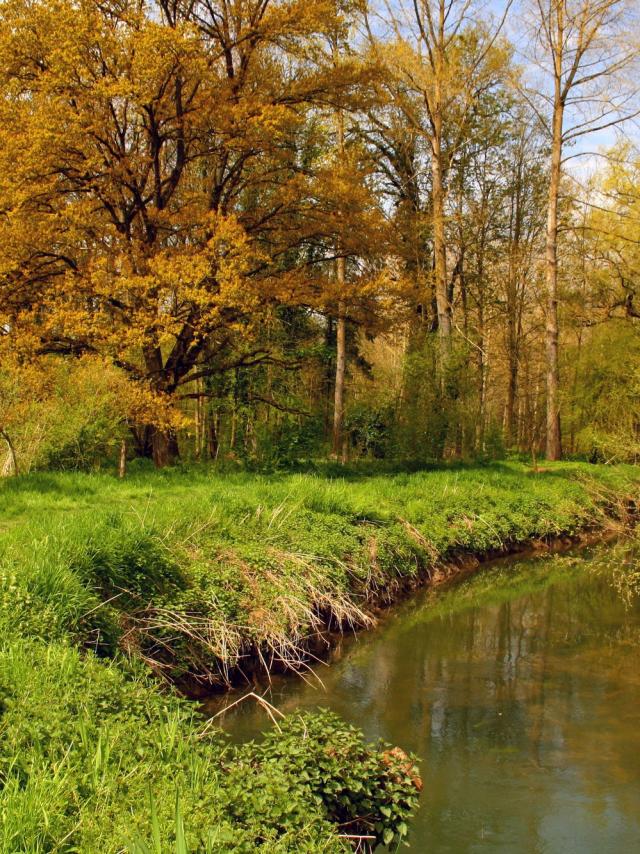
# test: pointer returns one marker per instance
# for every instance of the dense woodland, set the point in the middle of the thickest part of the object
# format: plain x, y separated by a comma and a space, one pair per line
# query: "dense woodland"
259, 231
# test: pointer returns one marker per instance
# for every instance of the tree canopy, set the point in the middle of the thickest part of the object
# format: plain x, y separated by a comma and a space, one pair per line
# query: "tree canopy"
204, 194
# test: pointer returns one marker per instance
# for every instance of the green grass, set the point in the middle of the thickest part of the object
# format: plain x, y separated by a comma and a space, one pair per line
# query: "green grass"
205, 574
195, 573
93, 760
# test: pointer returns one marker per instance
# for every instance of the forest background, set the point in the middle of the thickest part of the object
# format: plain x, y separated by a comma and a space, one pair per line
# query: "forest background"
260, 231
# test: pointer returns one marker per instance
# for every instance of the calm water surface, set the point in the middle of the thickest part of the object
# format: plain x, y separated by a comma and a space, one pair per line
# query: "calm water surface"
520, 692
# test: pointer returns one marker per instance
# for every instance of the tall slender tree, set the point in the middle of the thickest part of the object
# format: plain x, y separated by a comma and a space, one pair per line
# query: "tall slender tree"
341, 324
437, 55
583, 49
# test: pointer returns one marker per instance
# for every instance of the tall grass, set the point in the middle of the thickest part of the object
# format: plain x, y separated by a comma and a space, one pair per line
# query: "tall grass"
207, 574
93, 760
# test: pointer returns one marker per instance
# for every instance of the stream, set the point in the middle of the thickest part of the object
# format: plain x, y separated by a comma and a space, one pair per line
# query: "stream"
519, 691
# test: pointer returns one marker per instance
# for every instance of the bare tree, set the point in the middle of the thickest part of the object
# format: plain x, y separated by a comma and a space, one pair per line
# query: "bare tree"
583, 50
441, 53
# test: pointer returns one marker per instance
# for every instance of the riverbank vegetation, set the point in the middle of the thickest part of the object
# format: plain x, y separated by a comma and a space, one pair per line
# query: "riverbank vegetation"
211, 577
94, 759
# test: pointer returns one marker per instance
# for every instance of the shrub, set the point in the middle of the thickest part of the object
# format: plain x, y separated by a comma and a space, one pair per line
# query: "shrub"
368, 793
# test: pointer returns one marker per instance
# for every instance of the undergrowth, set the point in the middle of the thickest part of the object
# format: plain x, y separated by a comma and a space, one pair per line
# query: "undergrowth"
94, 760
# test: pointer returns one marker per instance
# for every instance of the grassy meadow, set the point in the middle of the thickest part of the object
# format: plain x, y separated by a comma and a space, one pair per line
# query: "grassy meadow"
202, 578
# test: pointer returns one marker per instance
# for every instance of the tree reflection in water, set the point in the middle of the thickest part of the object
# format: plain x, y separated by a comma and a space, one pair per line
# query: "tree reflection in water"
520, 691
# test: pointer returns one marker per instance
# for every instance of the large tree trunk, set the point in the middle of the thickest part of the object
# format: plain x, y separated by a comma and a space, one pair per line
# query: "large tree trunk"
164, 447
553, 441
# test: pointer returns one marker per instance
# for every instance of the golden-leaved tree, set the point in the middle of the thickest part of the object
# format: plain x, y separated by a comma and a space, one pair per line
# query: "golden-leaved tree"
158, 183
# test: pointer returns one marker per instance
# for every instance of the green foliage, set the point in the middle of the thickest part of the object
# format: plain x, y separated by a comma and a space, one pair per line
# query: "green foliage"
369, 429
196, 569
366, 793
200, 568
494, 448
605, 409
123, 557
290, 440
67, 414
421, 426
93, 759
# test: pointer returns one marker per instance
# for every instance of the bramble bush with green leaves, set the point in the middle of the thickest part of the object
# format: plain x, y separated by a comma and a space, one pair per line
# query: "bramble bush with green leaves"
370, 793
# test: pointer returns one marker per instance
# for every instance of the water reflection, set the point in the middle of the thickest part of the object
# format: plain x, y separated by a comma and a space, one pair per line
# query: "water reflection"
520, 691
